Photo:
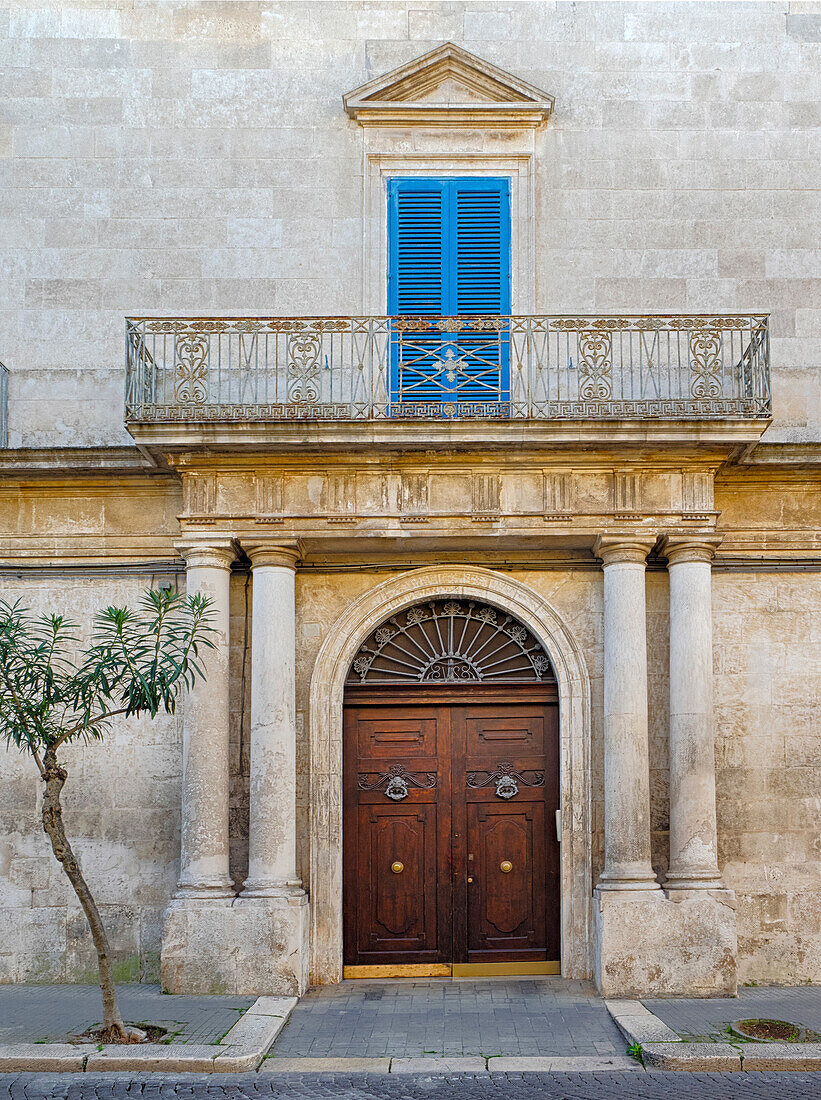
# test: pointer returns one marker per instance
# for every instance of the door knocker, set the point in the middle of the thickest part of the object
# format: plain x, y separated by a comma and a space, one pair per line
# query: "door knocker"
506, 787
397, 789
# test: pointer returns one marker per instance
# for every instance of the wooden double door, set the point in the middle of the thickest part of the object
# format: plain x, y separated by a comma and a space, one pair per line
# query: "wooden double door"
450, 842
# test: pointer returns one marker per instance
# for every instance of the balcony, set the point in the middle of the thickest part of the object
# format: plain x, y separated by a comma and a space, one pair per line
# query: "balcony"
184, 373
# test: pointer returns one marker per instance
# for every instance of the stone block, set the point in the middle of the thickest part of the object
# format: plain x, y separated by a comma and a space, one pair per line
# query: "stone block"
159, 1057
638, 1024
562, 1064
467, 1064
325, 1065
255, 945
720, 1057
254, 1032
649, 945
43, 1057
780, 1056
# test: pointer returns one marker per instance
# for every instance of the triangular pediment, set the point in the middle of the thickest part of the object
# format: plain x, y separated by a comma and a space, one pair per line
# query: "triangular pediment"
449, 87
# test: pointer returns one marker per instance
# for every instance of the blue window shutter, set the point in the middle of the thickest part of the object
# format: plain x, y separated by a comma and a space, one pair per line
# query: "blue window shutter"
418, 276
481, 280
449, 254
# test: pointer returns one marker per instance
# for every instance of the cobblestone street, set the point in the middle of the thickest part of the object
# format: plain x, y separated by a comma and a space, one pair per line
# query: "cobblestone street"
534, 1086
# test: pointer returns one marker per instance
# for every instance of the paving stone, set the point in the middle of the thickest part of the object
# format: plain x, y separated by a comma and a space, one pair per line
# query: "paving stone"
423, 1018
710, 1015
692, 1056
55, 1012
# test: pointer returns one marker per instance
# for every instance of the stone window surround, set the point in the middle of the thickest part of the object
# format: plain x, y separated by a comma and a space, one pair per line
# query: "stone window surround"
326, 703
379, 167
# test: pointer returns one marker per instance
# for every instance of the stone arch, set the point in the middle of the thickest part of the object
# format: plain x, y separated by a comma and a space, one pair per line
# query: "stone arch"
327, 691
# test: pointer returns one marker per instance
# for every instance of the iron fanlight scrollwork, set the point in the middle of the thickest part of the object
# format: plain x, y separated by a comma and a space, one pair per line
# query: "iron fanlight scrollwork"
396, 781
507, 779
451, 641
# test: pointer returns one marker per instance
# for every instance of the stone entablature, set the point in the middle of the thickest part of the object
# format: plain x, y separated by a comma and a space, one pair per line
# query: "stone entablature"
521, 499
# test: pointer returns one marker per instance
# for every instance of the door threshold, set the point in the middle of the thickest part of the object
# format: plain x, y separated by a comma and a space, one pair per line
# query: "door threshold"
453, 970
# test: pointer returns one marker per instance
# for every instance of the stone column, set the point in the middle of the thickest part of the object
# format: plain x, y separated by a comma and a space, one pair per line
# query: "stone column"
204, 849
272, 821
693, 837
627, 863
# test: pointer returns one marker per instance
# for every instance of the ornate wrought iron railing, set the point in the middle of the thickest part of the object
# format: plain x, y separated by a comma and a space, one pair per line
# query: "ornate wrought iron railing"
433, 368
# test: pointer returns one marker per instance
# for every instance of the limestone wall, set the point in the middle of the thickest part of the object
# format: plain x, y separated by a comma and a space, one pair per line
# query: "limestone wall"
121, 803
122, 797
195, 159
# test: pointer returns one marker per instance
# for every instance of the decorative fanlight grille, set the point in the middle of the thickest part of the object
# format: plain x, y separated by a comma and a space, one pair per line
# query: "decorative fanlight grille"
451, 641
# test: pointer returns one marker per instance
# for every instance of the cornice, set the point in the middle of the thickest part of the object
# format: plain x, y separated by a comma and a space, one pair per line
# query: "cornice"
474, 94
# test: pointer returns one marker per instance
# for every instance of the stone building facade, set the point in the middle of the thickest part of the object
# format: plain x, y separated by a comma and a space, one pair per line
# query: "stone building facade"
638, 498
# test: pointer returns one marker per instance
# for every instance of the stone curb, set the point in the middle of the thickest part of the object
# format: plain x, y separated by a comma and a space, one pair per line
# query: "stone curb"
662, 1048
638, 1024
455, 1064
242, 1049
694, 1057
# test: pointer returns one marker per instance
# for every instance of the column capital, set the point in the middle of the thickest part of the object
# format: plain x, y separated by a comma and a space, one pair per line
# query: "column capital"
271, 552
685, 546
624, 547
215, 553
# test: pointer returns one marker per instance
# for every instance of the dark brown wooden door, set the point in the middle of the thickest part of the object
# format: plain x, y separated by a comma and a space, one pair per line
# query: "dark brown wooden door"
450, 851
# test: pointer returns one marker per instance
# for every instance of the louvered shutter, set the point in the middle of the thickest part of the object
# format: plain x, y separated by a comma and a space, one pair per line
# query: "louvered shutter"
482, 277
449, 244
418, 280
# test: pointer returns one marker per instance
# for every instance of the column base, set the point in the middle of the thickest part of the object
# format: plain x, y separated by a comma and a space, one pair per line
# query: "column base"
272, 888
252, 946
649, 944
706, 880
629, 877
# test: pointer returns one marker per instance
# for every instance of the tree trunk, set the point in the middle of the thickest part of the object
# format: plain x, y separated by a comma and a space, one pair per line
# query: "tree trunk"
114, 1030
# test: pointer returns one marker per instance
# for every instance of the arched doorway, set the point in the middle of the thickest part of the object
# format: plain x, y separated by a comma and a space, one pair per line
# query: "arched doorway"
338, 651
451, 796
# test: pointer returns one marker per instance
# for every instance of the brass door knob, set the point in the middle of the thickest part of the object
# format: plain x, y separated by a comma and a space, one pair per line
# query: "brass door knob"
397, 867
505, 866
470, 879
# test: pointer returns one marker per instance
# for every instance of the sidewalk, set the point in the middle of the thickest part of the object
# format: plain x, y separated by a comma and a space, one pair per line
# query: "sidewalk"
694, 1034
56, 1013
42, 1026
411, 1024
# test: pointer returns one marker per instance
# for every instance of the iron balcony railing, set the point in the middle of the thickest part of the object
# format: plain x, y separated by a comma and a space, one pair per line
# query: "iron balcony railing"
434, 368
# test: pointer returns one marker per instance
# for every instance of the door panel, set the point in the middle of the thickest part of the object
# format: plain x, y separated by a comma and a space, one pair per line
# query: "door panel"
396, 776
451, 793
399, 914
506, 907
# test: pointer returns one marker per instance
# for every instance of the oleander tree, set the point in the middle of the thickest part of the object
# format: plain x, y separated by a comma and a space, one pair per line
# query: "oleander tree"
56, 691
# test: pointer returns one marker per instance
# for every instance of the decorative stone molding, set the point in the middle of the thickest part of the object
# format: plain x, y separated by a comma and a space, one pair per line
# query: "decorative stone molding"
340, 497
200, 495
626, 495
413, 498
632, 548
486, 498
558, 494
272, 553
339, 649
215, 554
689, 547
449, 87
268, 499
